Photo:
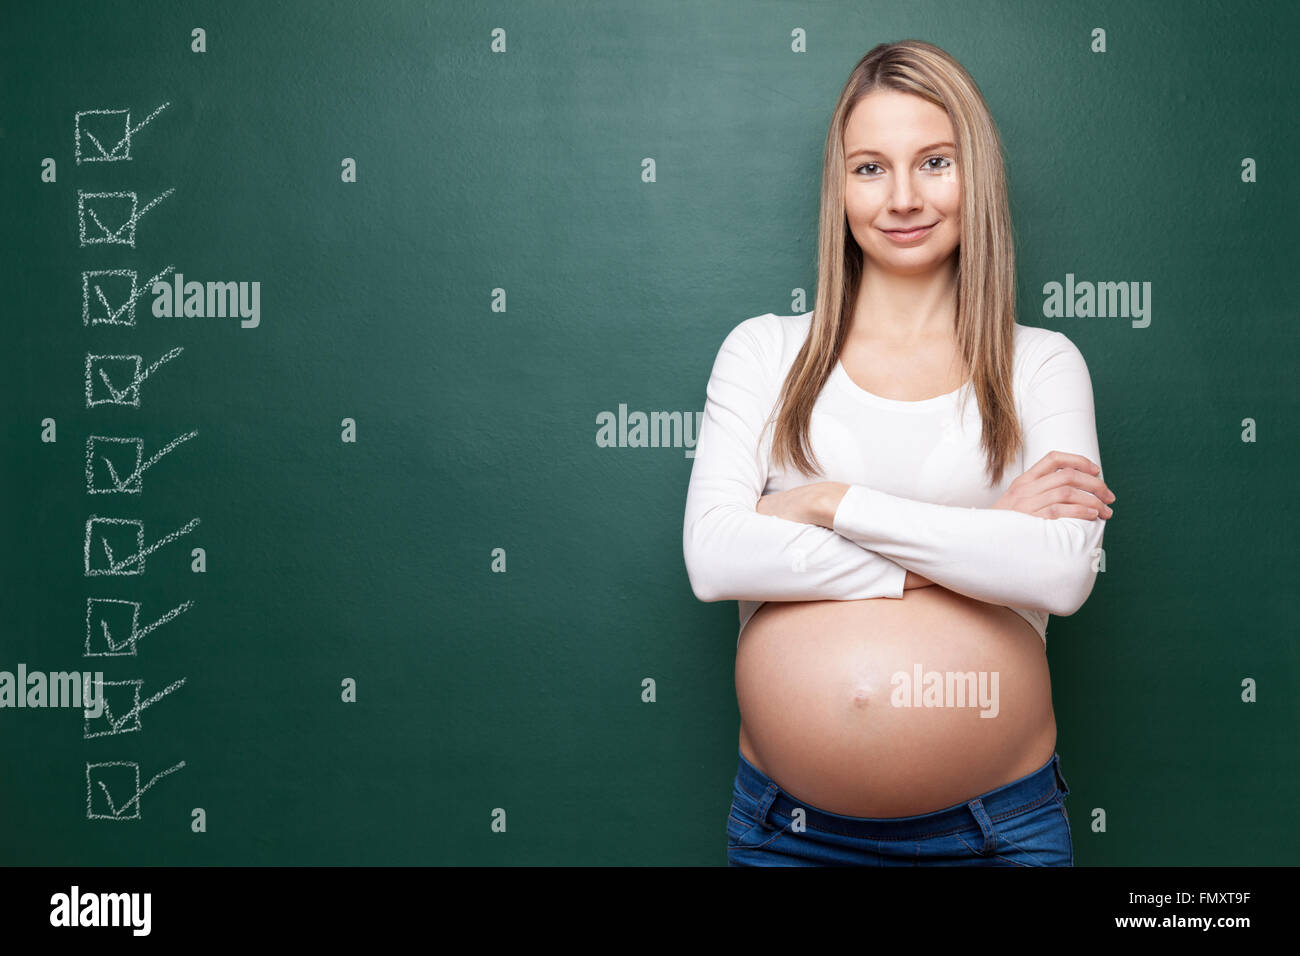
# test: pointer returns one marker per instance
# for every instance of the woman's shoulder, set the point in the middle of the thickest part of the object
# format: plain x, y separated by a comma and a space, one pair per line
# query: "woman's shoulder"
775, 338
1049, 369
1036, 347
1033, 336
772, 326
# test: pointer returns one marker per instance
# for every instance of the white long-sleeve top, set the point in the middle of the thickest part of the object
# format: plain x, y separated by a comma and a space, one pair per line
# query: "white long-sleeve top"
919, 498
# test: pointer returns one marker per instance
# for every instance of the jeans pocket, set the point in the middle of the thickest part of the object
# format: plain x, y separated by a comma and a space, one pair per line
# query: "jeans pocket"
738, 827
746, 827
742, 819
1039, 836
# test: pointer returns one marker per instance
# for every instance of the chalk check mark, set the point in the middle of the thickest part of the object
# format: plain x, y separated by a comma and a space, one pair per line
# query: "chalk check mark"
119, 396
118, 811
130, 131
115, 567
122, 484
115, 235
114, 646
117, 723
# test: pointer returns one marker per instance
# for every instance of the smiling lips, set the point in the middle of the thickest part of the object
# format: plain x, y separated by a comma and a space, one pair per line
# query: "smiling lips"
909, 235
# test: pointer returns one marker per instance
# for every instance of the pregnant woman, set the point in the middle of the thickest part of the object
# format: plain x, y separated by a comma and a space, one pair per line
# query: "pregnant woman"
899, 487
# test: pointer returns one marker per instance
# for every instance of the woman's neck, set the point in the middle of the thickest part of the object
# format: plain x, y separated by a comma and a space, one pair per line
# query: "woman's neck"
905, 309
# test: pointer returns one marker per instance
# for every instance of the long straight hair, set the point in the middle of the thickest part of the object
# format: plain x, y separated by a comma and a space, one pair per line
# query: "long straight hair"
985, 290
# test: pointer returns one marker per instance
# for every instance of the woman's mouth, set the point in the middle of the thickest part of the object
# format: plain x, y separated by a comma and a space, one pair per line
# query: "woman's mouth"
909, 235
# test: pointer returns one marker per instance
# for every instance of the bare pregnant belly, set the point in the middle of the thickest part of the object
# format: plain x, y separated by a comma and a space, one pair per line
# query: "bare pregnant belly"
831, 709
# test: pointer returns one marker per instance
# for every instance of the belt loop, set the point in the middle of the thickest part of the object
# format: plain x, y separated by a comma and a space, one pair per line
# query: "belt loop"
765, 804
1060, 777
977, 810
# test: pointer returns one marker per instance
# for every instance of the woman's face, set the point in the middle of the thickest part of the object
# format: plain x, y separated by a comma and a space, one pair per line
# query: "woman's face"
901, 172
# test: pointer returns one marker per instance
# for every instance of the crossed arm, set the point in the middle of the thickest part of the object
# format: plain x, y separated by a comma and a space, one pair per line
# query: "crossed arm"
1001, 556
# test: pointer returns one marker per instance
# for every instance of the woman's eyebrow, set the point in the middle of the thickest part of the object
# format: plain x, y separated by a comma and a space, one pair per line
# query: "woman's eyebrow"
923, 149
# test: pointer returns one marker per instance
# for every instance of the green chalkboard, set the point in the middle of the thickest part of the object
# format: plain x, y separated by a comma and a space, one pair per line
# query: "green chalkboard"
408, 258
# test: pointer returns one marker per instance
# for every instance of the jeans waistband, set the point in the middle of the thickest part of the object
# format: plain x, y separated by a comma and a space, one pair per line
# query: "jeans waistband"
1027, 792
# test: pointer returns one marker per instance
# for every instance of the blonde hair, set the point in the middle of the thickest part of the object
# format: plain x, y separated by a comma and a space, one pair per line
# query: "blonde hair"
985, 293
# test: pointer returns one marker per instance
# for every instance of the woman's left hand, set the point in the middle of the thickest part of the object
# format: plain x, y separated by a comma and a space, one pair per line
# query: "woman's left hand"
813, 504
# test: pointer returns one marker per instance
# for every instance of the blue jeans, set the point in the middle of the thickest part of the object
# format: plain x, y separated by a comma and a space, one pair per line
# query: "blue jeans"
1021, 823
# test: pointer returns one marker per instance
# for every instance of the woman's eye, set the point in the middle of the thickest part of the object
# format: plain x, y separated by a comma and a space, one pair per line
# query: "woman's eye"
943, 160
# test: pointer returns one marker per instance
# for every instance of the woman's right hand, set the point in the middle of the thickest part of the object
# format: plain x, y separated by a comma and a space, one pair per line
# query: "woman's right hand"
1059, 485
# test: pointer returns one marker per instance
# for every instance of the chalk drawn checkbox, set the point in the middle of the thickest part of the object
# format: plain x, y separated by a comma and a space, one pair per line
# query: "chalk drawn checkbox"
114, 546
112, 627
111, 218
110, 549
107, 218
113, 789
114, 465
108, 297
104, 136
102, 371
116, 379
121, 709
103, 780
